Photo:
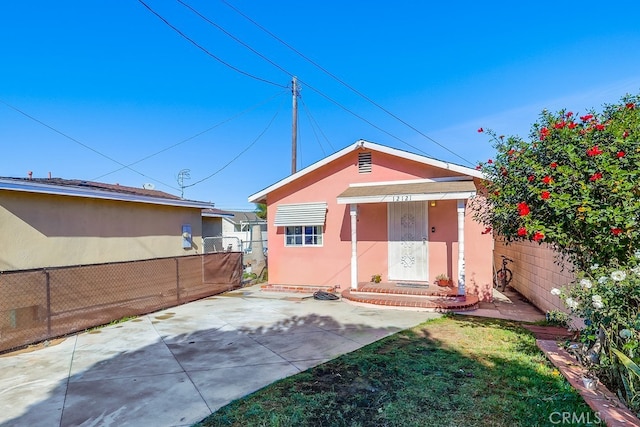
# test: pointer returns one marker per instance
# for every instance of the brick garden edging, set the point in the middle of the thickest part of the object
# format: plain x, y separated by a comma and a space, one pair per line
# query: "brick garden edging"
609, 408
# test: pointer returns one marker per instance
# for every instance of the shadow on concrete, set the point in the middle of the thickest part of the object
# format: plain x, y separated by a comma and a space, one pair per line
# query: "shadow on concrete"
431, 375
143, 373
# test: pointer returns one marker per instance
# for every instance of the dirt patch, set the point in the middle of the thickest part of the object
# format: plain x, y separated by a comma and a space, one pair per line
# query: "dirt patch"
34, 347
342, 383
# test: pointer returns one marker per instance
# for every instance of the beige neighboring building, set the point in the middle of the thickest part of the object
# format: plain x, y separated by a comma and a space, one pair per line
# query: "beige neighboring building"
57, 222
212, 222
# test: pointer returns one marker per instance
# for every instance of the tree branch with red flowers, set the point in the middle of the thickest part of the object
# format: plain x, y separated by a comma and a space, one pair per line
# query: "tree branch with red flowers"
575, 184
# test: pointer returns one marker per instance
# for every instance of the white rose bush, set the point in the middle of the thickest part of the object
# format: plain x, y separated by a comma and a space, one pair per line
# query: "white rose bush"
610, 306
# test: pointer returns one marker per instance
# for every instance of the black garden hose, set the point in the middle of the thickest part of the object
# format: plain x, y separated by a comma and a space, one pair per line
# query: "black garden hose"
326, 296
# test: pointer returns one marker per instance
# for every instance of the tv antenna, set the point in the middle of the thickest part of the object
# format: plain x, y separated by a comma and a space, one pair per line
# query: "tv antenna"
182, 175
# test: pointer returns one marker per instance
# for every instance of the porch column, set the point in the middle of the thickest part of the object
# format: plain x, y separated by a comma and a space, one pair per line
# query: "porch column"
461, 271
353, 212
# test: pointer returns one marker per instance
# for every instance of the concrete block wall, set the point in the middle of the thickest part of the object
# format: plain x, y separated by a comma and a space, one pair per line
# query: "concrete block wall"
535, 272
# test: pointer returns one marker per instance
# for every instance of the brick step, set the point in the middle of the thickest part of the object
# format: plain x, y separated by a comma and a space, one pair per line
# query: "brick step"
441, 304
406, 294
392, 288
305, 289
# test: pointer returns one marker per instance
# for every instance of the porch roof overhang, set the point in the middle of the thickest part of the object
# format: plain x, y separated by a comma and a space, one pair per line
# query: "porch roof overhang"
407, 192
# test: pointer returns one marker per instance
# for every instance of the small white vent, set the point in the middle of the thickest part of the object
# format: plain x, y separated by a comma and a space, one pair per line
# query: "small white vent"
364, 162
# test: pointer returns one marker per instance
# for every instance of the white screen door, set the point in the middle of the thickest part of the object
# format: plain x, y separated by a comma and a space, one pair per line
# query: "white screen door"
408, 241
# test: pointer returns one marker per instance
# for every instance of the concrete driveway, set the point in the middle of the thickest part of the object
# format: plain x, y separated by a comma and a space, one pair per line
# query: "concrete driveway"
176, 366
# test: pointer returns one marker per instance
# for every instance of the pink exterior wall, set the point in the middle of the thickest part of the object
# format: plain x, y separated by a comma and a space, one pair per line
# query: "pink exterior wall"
478, 258
331, 264
443, 248
535, 272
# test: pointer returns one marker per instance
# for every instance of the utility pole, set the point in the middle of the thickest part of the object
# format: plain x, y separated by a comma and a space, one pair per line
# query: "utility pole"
294, 125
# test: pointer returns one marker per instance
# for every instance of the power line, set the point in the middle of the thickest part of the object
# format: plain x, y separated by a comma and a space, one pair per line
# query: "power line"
311, 87
84, 145
370, 123
206, 51
233, 37
196, 135
313, 126
357, 92
239, 154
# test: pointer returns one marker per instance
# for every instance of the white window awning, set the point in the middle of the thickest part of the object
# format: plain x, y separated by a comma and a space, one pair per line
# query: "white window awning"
408, 192
301, 214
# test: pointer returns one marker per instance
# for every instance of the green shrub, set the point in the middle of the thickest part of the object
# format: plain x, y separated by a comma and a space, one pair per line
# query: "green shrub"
576, 186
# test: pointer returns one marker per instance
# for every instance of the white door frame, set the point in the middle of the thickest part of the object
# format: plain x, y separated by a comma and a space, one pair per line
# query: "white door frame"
408, 254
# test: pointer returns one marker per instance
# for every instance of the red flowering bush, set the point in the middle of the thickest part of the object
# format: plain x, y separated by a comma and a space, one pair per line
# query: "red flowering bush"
575, 184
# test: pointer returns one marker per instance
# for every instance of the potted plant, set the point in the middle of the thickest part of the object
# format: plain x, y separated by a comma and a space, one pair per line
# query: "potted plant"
443, 279
376, 278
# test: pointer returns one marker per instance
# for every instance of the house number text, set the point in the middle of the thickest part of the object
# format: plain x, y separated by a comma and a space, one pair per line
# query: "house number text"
401, 198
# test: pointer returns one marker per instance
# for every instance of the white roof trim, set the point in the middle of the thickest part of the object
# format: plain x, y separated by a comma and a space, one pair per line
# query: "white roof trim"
408, 192
388, 198
61, 190
254, 198
301, 214
217, 215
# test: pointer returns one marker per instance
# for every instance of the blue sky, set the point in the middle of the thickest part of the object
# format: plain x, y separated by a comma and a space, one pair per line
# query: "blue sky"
103, 84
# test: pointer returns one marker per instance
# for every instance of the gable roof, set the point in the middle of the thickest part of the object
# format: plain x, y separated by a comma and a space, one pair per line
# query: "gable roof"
261, 195
97, 190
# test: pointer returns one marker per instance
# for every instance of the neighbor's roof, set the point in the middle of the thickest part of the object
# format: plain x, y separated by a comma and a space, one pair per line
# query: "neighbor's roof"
236, 217
97, 190
245, 216
261, 195
216, 213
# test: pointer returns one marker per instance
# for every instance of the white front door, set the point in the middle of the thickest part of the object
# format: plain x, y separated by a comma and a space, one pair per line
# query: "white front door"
408, 241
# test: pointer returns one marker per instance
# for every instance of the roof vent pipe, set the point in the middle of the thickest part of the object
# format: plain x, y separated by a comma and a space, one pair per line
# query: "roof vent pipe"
30, 173
49, 175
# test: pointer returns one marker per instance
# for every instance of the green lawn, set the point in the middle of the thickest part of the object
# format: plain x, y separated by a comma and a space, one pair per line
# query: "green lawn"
453, 371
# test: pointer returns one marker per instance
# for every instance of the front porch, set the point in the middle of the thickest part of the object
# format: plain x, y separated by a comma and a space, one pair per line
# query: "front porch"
425, 297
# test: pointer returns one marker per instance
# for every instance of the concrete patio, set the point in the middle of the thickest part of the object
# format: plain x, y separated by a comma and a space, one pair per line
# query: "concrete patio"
176, 366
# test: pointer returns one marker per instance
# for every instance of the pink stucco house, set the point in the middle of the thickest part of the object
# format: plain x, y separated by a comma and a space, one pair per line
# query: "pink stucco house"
369, 209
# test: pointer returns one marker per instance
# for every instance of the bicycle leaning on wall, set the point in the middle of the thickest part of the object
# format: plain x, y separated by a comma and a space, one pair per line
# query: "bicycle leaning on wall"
502, 277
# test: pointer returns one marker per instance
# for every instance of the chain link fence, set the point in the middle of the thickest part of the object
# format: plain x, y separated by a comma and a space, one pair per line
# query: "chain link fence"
248, 246
232, 244
36, 305
222, 244
254, 264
